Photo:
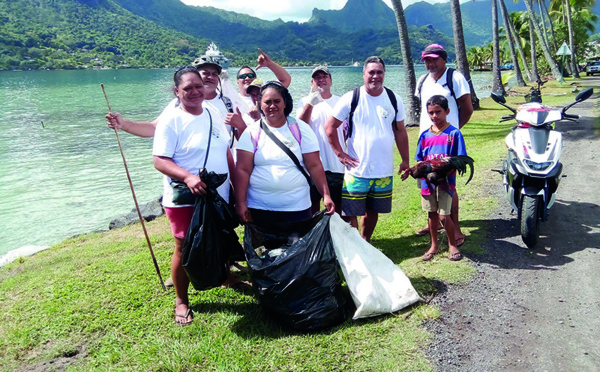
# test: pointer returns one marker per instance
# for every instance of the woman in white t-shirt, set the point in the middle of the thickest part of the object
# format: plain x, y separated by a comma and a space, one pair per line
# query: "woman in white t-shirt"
269, 187
181, 148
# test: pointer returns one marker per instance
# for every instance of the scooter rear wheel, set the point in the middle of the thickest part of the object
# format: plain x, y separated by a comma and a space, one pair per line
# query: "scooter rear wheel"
530, 220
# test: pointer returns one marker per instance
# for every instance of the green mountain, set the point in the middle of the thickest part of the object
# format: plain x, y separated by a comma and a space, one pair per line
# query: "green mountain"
65, 34
356, 15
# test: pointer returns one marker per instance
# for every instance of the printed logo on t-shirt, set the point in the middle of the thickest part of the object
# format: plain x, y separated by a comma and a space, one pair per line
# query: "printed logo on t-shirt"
383, 112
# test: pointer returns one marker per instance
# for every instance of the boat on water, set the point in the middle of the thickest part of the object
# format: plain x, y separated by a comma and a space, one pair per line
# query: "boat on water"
213, 54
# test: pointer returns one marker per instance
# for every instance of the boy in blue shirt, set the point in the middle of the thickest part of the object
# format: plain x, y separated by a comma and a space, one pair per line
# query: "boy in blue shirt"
440, 140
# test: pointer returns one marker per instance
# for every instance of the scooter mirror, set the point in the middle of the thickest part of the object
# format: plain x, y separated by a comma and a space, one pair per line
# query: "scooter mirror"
584, 95
499, 98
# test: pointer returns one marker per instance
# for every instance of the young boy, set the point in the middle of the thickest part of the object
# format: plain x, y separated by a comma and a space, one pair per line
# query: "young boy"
440, 140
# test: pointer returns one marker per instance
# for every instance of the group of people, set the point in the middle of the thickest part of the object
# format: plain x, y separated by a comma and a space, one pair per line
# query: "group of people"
338, 150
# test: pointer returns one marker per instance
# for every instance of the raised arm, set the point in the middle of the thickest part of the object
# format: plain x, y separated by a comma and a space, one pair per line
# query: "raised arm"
280, 73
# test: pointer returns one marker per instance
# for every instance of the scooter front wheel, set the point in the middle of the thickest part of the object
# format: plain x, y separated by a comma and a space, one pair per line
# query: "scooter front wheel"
530, 220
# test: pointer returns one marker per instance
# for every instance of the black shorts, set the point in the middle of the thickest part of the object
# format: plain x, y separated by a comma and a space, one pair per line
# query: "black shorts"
334, 182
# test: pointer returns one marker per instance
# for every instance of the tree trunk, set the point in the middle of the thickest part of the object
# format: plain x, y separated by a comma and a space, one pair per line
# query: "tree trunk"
545, 33
553, 66
534, 70
511, 44
520, 50
497, 86
575, 67
461, 50
543, 2
413, 114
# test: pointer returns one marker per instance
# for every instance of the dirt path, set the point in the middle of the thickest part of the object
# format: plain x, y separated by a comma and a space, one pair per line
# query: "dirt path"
534, 310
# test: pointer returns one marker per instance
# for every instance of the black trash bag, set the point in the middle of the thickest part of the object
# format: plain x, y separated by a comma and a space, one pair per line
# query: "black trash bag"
211, 241
296, 273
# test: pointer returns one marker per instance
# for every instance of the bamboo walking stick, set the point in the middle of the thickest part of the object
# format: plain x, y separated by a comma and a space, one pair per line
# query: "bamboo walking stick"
137, 207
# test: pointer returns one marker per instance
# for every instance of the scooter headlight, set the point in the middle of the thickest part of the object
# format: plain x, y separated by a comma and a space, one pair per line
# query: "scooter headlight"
538, 166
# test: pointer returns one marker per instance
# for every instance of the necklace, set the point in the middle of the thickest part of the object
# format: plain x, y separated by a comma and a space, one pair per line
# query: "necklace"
437, 132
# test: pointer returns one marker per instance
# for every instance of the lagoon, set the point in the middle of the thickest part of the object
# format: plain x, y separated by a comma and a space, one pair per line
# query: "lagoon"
61, 172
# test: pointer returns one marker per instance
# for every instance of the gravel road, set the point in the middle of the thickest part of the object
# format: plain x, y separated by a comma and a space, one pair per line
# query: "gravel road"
533, 310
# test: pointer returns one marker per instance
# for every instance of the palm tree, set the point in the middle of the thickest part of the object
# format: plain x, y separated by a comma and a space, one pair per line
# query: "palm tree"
513, 17
413, 114
534, 69
460, 49
553, 66
497, 85
574, 67
511, 39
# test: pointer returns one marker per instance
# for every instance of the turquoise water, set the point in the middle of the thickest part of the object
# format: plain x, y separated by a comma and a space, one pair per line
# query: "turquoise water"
67, 177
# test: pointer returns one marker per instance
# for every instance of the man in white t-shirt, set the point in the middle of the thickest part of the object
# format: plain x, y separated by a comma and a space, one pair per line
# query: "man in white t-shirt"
376, 126
457, 92
314, 109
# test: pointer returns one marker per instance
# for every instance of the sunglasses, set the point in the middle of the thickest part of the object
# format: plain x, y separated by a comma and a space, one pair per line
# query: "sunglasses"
250, 75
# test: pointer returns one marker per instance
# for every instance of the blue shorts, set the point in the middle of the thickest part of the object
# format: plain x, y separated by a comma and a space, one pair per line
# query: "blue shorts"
360, 195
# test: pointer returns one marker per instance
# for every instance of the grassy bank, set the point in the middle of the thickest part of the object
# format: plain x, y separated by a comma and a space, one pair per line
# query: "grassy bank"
94, 302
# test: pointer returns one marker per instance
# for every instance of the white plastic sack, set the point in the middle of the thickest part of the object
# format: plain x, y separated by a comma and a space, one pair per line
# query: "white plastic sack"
376, 284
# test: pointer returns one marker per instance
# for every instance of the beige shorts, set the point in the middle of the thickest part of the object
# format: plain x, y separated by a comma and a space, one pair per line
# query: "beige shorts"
440, 201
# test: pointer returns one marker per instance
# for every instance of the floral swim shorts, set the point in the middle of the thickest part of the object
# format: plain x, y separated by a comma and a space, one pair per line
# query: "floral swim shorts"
366, 194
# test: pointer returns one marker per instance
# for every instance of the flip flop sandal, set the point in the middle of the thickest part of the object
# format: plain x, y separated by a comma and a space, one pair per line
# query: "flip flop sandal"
429, 256
459, 241
457, 256
184, 316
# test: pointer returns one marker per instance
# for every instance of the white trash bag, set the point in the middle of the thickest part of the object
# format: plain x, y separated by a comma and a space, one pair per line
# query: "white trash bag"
376, 284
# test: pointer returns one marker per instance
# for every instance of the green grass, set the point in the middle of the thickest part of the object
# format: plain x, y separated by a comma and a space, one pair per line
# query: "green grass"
94, 302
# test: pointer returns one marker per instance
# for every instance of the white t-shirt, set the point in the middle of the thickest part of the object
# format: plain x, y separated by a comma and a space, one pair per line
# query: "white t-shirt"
372, 141
321, 111
217, 105
432, 87
276, 184
183, 137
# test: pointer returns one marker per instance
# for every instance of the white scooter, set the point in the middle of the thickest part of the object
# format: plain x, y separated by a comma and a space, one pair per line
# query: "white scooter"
532, 169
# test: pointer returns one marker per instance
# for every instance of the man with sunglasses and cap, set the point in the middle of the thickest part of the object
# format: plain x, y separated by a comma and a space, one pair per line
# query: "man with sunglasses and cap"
314, 109
450, 83
246, 76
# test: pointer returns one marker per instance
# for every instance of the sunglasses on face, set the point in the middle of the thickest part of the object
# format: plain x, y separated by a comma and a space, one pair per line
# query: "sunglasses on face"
250, 75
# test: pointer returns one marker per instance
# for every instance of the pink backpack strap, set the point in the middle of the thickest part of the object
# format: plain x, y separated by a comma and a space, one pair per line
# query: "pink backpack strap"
295, 129
254, 138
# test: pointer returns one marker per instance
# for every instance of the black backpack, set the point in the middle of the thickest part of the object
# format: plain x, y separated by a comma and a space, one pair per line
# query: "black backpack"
354, 103
449, 84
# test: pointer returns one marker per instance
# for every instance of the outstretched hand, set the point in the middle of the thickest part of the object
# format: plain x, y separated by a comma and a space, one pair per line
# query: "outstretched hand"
263, 59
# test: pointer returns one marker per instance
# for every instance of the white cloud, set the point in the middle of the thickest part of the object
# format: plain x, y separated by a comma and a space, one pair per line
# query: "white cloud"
287, 10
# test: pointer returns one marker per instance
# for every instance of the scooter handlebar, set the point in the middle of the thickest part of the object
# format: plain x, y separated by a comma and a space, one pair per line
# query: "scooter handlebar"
571, 117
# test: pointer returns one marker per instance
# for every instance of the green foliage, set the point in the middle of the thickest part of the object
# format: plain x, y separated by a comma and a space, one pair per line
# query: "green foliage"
66, 34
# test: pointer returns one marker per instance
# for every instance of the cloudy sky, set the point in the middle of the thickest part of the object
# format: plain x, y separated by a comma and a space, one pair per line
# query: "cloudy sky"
272, 9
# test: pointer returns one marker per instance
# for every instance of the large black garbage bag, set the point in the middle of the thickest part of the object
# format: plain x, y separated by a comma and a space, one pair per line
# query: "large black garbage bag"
296, 274
210, 241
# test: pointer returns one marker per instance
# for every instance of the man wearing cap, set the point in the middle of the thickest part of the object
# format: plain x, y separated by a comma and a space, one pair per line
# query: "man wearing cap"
378, 124
459, 102
218, 104
253, 91
314, 109
435, 82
